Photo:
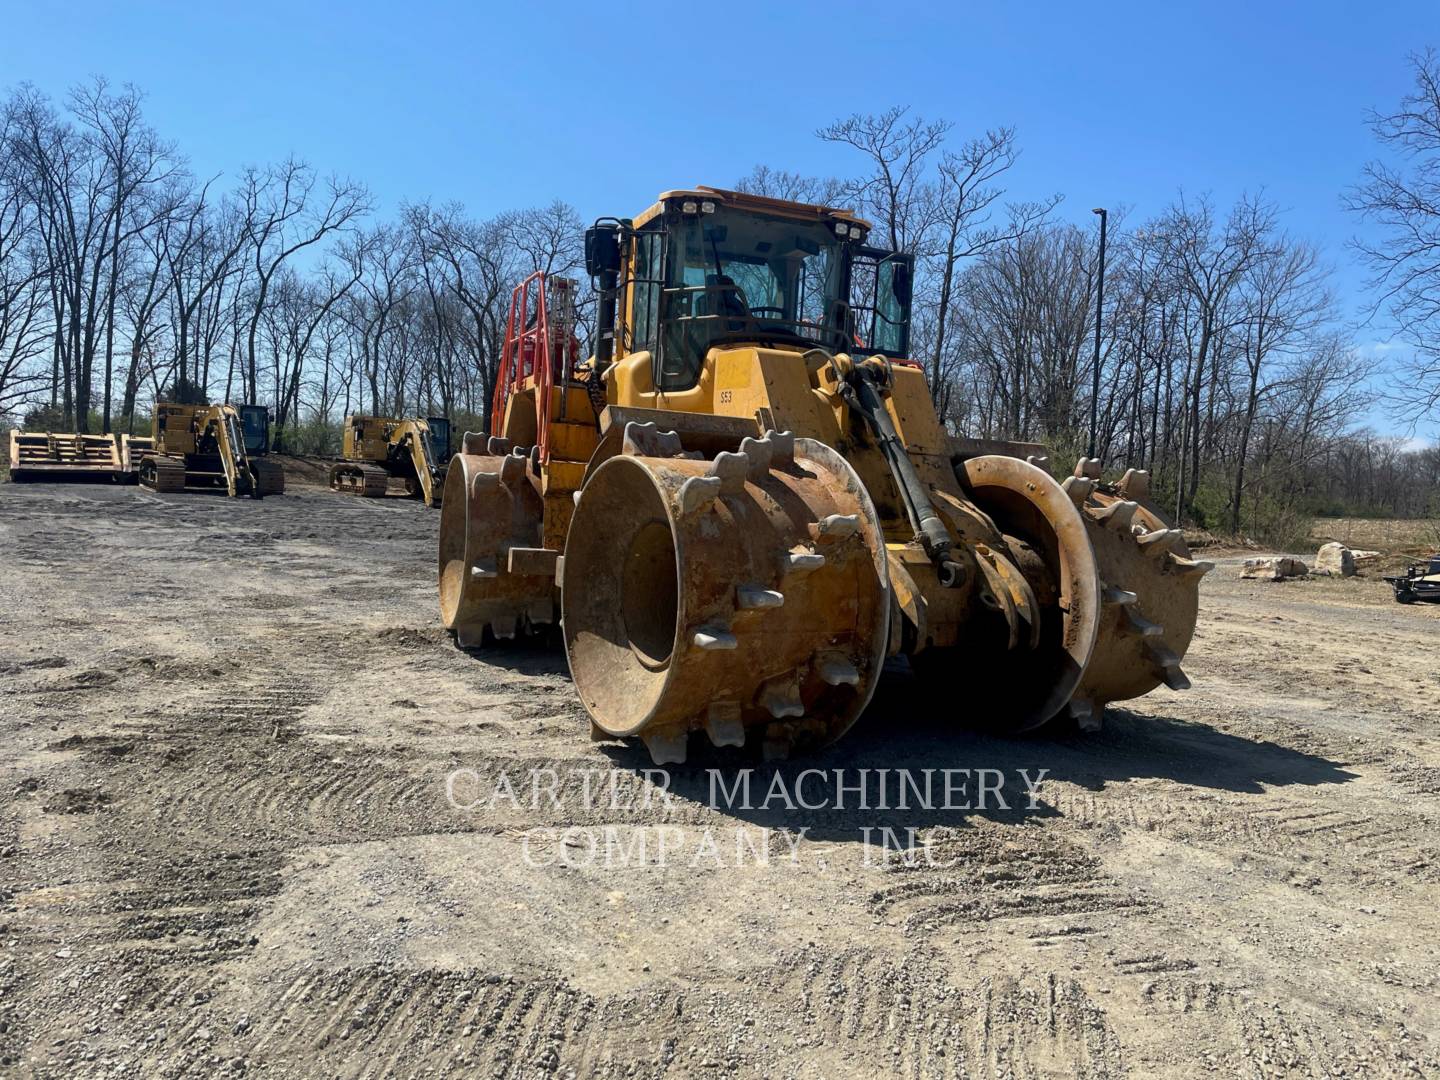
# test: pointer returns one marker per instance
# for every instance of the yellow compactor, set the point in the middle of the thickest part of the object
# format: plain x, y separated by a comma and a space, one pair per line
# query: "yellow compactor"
209, 446
377, 448
744, 503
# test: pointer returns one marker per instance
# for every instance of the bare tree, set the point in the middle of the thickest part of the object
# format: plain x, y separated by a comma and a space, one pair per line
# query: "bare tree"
1403, 201
137, 162
1208, 265
48, 163
23, 289
200, 244
1283, 302
893, 194
284, 215
549, 238
964, 196
387, 282
791, 186
142, 295
482, 267
302, 307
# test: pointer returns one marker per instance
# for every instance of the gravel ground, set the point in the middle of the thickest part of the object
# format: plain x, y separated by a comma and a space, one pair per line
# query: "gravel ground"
253, 820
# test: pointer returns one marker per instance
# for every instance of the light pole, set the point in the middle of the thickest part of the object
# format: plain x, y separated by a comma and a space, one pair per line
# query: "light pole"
1099, 312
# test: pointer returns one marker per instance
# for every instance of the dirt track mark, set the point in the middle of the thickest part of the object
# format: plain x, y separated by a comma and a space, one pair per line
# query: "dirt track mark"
926, 1026
373, 1022
906, 1021
999, 875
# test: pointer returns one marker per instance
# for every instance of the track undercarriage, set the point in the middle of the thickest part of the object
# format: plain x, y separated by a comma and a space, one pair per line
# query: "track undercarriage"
175, 472
351, 478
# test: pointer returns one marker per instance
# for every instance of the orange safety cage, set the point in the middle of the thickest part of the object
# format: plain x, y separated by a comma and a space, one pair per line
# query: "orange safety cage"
529, 334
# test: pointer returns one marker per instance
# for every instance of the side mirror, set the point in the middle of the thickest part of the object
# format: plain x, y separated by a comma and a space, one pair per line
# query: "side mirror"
602, 251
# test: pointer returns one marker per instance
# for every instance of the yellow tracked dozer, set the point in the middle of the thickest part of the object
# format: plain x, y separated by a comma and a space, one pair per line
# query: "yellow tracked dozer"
745, 502
377, 448
210, 446
44, 455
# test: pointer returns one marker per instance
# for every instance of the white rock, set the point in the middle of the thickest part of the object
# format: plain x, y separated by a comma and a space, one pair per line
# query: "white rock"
1274, 568
1337, 558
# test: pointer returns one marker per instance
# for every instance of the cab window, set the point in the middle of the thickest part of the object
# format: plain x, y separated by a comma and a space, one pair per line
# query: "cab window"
647, 286
254, 420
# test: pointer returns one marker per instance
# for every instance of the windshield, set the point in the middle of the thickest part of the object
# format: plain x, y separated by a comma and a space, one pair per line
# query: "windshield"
737, 276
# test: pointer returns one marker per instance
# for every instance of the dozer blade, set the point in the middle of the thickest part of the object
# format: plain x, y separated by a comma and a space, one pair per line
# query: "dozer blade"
132, 449
745, 597
36, 455
496, 578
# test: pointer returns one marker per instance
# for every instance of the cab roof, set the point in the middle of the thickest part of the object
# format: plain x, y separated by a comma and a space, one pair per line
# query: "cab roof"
742, 200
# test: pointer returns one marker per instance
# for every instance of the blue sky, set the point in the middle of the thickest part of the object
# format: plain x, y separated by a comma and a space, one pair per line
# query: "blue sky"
605, 105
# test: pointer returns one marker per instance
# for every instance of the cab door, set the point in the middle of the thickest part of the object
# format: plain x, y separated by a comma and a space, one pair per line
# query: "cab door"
880, 299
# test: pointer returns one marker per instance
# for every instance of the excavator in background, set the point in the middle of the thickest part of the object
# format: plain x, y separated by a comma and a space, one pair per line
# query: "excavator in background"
210, 446
46, 455
745, 502
377, 448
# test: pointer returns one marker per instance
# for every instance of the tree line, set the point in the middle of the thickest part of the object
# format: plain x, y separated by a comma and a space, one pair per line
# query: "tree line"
1226, 366
126, 276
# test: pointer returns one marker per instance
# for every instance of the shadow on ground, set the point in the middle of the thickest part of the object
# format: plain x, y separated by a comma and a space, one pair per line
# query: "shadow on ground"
890, 770
906, 744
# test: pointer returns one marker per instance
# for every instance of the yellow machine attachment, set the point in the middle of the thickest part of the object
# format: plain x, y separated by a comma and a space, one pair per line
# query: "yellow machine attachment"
36, 455
766, 506
211, 446
377, 448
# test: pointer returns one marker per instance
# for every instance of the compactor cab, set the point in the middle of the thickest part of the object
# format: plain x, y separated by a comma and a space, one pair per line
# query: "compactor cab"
209, 446
708, 268
745, 502
378, 448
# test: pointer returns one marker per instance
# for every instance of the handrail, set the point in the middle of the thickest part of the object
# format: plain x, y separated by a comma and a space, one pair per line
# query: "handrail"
514, 365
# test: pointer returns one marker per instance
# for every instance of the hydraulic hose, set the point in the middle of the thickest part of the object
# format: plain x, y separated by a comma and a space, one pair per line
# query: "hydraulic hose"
863, 395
